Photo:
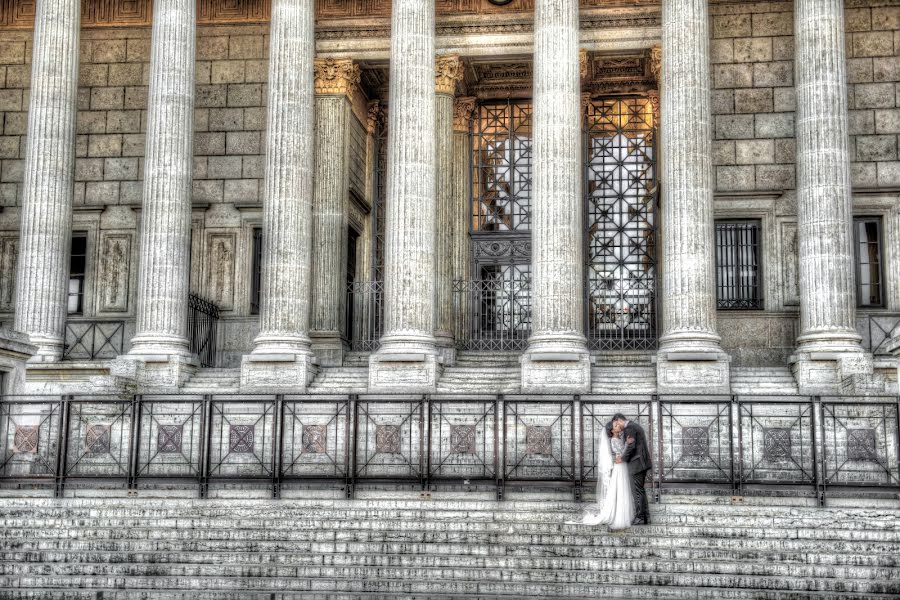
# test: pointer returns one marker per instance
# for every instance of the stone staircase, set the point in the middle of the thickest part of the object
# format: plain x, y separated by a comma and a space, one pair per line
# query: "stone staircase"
765, 381
397, 545
623, 374
340, 380
482, 372
213, 381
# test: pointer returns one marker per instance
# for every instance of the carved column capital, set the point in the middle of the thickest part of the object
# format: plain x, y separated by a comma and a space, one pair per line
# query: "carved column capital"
653, 96
584, 63
336, 77
447, 73
656, 62
462, 113
375, 116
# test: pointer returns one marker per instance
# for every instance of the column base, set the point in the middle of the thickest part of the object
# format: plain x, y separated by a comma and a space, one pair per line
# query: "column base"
837, 373
446, 347
329, 348
405, 366
277, 372
157, 372
556, 365
47, 349
693, 372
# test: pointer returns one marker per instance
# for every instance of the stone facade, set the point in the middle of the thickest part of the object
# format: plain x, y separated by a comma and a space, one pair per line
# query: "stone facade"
752, 174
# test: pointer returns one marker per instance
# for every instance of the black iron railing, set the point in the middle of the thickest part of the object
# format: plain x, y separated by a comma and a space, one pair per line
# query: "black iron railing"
203, 327
94, 340
367, 301
876, 330
496, 313
735, 443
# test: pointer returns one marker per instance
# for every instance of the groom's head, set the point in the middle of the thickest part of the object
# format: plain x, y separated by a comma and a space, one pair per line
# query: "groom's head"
619, 421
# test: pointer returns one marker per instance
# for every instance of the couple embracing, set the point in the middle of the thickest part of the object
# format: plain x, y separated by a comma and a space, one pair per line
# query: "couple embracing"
622, 465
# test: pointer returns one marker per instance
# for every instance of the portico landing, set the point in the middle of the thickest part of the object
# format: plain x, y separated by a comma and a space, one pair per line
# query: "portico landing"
500, 373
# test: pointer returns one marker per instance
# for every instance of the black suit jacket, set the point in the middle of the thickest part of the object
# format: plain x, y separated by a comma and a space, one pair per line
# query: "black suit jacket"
637, 453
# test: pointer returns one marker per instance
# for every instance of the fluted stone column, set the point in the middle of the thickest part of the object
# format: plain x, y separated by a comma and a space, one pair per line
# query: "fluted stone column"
282, 358
449, 72
335, 83
46, 230
690, 355
407, 359
164, 268
461, 202
557, 358
829, 348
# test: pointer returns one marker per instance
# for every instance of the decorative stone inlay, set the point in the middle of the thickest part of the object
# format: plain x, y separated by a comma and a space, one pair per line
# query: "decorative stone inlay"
387, 439
97, 439
314, 439
503, 249
777, 443
653, 97
462, 113
695, 442
861, 445
336, 77
584, 62
241, 438
448, 71
462, 439
168, 439
26, 439
539, 440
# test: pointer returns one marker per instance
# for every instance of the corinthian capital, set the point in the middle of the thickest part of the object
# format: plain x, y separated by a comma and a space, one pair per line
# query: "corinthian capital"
447, 73
462, 113
336, 77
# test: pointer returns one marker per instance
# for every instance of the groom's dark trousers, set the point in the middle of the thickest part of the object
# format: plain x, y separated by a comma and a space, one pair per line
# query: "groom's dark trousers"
637, 455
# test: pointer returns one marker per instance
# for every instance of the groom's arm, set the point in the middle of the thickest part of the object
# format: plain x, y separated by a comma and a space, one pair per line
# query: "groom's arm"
630, 447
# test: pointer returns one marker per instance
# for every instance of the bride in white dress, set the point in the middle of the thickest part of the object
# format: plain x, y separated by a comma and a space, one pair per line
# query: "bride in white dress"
614, 502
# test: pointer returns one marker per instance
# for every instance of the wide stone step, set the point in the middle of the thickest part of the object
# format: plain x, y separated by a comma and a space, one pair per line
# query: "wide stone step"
422, 580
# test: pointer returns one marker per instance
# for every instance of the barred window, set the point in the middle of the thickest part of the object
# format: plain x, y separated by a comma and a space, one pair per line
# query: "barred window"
738, 272
867, 241
77, 268
256, 271
501, 174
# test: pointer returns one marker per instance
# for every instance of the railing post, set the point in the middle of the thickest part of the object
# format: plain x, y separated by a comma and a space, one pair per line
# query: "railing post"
427, 443
351, 488
819, 458
277, 446
206, 445
577, 458
135, 444
349, 445
657, 403
501, 449
62, 445
737, 474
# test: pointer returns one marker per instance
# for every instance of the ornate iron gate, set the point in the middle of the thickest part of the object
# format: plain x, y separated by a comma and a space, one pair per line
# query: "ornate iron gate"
621, 194
203, 325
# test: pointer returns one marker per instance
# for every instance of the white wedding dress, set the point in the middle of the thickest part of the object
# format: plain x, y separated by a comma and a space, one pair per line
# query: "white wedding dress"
614, 501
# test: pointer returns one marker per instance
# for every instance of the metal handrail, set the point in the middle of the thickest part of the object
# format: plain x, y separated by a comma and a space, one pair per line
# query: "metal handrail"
734, 442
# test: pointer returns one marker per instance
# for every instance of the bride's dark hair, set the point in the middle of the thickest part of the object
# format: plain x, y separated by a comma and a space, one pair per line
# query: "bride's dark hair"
609, 429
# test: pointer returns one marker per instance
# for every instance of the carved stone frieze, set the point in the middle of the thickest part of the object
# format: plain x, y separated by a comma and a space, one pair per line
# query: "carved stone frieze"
220, 270
336, 77
115, 262
656, 62
9, 258
448, 72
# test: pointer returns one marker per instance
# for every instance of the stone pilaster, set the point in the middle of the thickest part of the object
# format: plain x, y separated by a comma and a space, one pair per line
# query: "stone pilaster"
407, 359
829, 353
690, 356
164, 269
557, 359
461, 191
46, 228
282, 358
335, 83
448, 73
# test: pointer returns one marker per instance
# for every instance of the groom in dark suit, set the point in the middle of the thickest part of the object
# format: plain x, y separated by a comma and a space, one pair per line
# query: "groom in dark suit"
637, 455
